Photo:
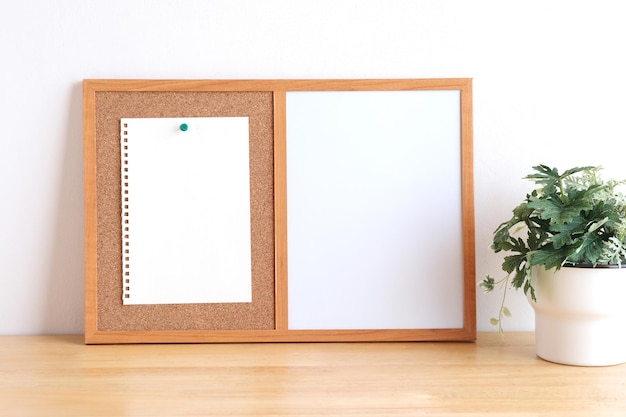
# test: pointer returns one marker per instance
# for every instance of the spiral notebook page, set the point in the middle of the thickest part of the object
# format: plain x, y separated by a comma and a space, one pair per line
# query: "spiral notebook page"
186, 210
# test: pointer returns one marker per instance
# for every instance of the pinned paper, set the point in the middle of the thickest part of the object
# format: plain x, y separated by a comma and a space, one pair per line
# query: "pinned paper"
186, 210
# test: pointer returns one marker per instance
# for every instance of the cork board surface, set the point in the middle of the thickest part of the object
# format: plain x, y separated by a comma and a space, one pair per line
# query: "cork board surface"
111, 106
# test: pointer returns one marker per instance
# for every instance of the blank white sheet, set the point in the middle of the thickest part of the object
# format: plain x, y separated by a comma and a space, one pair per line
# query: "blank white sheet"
186, 224
374, 204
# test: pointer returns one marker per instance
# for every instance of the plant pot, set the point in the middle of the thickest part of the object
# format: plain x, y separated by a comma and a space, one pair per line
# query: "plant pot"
580, 315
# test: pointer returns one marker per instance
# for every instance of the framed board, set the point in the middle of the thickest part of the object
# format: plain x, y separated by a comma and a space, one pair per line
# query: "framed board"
278, 210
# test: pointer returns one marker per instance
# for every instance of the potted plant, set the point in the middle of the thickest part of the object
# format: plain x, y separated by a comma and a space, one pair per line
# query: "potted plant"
565, 246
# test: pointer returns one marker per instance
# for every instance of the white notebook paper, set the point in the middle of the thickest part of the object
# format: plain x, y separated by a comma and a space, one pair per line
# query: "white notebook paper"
186, 210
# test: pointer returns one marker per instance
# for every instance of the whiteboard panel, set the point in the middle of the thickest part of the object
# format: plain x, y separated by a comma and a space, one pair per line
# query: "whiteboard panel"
374, 203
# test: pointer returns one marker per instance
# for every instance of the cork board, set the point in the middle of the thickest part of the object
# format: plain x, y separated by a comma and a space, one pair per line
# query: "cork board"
112, 106
266, 318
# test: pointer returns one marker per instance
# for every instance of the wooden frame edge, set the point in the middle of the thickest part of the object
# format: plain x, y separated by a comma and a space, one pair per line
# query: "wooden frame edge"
277, 84
89, 161
468, 216
280, 210
284, 336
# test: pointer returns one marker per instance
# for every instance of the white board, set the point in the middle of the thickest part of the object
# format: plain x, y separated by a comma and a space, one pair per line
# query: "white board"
374, 210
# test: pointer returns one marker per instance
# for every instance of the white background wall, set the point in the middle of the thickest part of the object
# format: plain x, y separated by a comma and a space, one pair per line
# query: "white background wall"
548, 88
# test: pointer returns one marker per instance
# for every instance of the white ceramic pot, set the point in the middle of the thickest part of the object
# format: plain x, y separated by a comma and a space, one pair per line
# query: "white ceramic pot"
580, 315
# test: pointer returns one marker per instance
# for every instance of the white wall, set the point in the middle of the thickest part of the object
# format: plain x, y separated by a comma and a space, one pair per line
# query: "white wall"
548, 88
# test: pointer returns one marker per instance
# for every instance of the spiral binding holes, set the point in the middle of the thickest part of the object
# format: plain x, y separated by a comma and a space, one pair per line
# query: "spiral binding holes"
125, 203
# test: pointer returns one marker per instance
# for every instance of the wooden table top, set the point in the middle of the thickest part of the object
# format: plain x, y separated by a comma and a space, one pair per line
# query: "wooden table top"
60, 376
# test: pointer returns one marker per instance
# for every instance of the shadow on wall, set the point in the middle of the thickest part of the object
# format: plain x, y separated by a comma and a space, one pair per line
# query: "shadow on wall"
64, 312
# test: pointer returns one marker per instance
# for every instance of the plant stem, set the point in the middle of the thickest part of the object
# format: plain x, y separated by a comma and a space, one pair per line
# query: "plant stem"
501, 312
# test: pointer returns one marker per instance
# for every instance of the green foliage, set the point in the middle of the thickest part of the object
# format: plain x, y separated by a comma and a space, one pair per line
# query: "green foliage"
573, 217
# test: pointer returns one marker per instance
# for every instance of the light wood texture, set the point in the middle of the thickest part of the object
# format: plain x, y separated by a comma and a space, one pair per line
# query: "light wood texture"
59, 376
91, 212
280, 209
277, 85
467, 207
96, 335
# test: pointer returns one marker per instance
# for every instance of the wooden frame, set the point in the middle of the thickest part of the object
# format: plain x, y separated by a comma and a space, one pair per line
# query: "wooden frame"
95, 334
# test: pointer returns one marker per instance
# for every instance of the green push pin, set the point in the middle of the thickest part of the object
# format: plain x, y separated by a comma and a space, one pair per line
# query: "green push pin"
184, 127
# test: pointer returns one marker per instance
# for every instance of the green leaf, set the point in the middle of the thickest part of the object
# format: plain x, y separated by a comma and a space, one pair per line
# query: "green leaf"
567, 233
605, 214
549, 257
502, 239
506, 312
589, 251
513, 262
488, 283
528, 287
552, 181
522, 212
558, 212
494, 321
536, 238
546, 176
519, 278
572, 171
614, 252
